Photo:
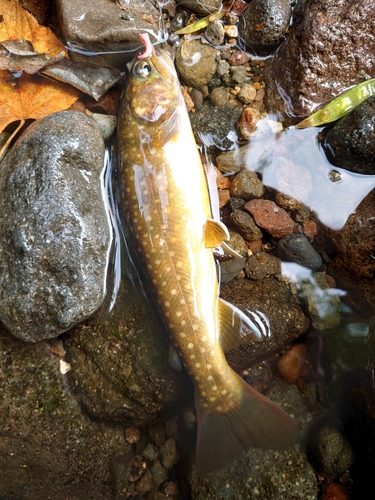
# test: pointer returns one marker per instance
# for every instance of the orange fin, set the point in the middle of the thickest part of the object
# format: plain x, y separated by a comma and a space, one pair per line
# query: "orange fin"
215, 233
237, 328
255, 422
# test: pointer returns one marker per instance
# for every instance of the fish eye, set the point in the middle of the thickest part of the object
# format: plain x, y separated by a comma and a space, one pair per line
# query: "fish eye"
142, 69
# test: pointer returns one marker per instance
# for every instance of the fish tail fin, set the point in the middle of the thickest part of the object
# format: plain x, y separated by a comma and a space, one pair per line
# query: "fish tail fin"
255, 422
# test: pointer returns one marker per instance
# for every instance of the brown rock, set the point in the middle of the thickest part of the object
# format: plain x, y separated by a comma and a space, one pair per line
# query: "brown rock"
238, 58
309, 228
270, 217
315, 75
261, 265
248, 122
247, 185
224, 197
291, 363
196, 63
246, 225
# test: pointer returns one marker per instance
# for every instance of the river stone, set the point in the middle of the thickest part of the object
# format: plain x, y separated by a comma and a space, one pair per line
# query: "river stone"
216, 125
296, 248
350, 144
329, 47
119, 365
54, 227
99, 27
196, 62
264, 23
272, 298
48, 447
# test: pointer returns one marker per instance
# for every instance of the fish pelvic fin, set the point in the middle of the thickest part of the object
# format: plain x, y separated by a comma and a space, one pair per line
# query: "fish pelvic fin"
255, 422
215, 233
237, 328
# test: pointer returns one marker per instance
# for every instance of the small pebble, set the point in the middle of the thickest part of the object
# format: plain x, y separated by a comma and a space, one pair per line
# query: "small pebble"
219, 96
132, 435
231, 31
331, 451
215, 33
144, 485
291, 363
157, 434
248, 122
238, 59
159, 474
222, 68
336, 491
247, 93
150, 452
171, 488
238, 73
168, 453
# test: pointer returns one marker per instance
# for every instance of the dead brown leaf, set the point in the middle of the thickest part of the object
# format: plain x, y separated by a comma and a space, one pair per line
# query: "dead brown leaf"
31, 97
18, 24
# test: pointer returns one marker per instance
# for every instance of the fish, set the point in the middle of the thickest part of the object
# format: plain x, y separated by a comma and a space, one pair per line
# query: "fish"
166, 206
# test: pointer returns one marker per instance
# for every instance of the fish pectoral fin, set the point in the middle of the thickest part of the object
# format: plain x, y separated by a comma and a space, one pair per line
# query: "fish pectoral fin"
255, 422
174, 359
215, 233
237, 328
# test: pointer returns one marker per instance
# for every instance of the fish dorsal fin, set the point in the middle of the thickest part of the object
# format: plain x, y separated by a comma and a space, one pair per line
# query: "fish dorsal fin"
215, 233
237, 328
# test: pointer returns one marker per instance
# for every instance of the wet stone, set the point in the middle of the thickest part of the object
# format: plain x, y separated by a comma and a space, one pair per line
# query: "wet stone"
54, 254
237, 243
159, 474
350, 143
216, 125
331, 451
120, 371
296, 248
270, 217
264, 23
232, 161
196, 63
101, 26
274, 299
322, 302
261, 265
144, 485
247, 185
246, 225
215, 33
203, 7
247, 93
150, 452
248, 122
168, 453
231, 268
219, 96
313, 75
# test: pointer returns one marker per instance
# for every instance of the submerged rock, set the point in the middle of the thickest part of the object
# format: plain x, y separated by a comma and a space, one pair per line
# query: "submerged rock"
119, 365
296, 248
350, 143
196, 63
327, 50
54, 227
272, 298
49, 449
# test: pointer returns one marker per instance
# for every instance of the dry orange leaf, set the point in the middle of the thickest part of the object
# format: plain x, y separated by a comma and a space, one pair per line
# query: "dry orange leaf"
31, 96
18, 24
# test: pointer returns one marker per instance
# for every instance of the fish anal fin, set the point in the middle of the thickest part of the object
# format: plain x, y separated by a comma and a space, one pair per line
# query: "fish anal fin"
215, 233
255, 422
237, 328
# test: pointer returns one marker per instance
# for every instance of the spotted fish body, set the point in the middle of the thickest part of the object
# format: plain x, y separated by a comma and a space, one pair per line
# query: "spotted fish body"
167, 206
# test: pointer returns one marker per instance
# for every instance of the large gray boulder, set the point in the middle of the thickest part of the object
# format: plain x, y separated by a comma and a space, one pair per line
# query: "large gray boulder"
54, 231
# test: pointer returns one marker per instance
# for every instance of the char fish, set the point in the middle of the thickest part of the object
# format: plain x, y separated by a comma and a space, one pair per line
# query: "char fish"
167, 206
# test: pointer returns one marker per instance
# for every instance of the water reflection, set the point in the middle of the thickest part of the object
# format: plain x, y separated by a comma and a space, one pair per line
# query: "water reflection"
292, 162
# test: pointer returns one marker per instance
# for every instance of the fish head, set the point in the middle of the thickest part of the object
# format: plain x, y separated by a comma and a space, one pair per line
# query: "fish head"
153, 90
